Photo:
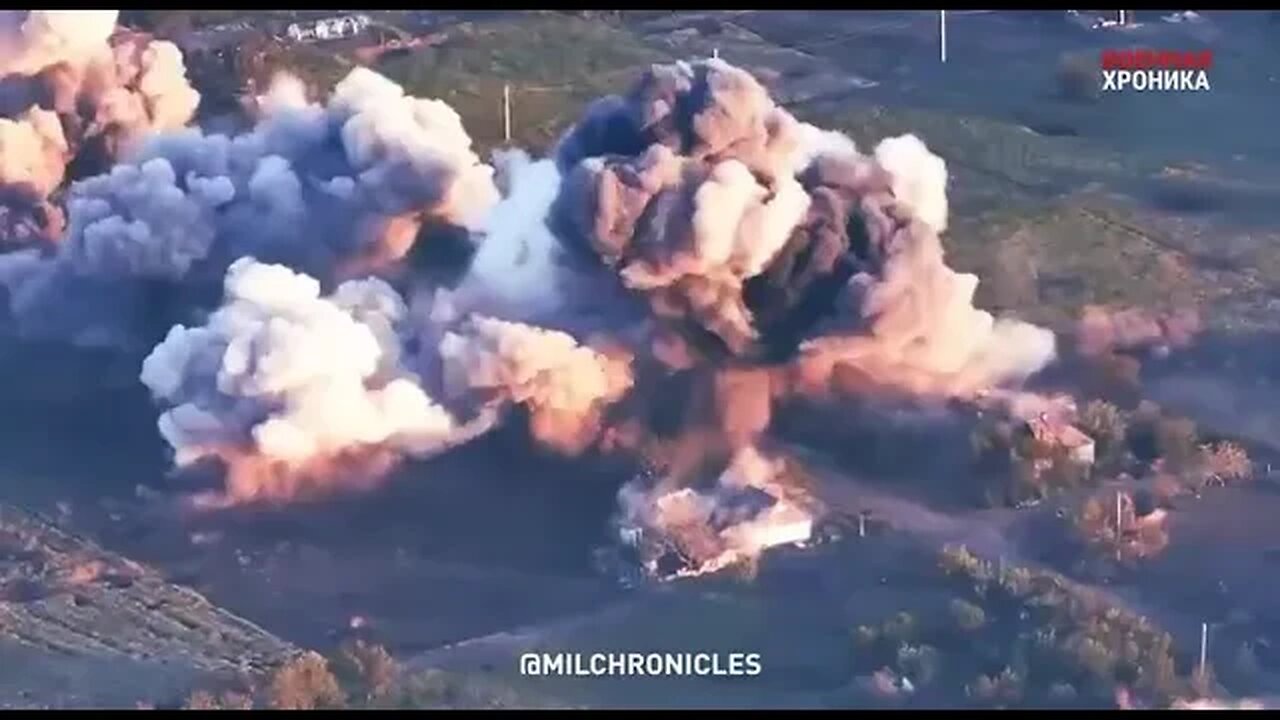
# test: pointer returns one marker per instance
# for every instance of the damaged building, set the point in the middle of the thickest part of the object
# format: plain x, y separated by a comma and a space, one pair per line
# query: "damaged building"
1054, 436
704, 532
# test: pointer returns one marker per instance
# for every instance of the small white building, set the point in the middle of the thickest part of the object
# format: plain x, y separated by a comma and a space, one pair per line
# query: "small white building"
330, 28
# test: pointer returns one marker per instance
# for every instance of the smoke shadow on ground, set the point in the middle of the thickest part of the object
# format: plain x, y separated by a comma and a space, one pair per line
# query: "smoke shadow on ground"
486, 537
77, 425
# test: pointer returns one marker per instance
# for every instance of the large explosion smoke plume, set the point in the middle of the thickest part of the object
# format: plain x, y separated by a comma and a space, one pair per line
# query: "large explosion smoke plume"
691, 254
334, 191
742, 226
757, 239
71, 89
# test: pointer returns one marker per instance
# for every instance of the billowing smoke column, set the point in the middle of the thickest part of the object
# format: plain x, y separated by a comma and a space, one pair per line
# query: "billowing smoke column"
519, 272
301, 394
760, 240
69, 90
692, 252
742, 227
335, 191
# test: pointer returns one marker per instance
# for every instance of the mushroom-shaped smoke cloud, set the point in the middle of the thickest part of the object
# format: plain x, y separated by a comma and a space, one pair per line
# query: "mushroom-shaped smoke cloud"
743, 228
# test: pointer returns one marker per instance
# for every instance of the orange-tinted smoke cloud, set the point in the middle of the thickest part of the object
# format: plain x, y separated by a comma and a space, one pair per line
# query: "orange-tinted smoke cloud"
1102, 330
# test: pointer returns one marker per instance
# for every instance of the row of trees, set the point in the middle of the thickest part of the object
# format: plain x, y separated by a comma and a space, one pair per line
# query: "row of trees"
1013, 637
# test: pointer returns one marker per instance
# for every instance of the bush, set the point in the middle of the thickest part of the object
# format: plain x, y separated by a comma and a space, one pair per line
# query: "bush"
1177, 442
865, 637
1165, 488
968, 617
305, 683
366, 671
1104, 422
1001, 689
228, 700
1225, 462
900, 628
443, 690
919, 663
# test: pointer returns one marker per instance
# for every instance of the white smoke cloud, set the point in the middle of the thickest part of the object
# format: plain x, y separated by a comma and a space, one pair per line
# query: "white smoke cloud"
564, 384
293, 373
813, 142
919, 178
282, 374
33, 152
518, 269
32, 40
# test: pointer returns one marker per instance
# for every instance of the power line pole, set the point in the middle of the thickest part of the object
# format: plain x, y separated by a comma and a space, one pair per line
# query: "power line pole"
1204, 647
506, 112
942, 33
1119, 526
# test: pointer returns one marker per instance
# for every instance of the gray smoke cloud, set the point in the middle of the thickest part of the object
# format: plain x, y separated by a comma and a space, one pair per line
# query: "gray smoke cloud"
692, 231
339, 190
72, 89
740, 223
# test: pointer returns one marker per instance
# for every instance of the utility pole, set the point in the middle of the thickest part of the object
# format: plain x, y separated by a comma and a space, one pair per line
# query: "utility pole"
942, 33
1119, 526
506, 113
1204, 649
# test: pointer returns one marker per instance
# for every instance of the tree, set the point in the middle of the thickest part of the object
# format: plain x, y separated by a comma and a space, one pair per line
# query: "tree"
1177, 442
305, 683
1225, 462
968, 617
1104, 422
366, 671
227, 700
